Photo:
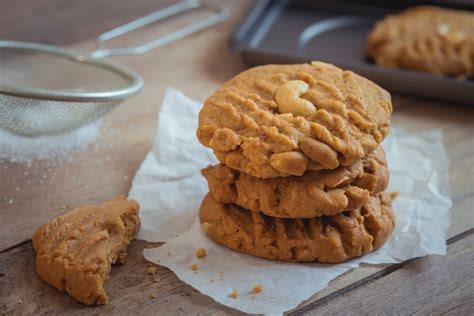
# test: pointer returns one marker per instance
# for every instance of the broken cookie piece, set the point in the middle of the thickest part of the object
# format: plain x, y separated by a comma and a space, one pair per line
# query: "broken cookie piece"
75, 251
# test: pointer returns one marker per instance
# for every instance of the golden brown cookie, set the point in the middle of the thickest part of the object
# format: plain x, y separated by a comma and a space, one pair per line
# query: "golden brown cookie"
316, 193
281, 120
428, 39
75, 251
328, 239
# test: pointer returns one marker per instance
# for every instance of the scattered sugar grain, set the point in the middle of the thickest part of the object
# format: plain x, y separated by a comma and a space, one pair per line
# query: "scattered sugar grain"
26, 150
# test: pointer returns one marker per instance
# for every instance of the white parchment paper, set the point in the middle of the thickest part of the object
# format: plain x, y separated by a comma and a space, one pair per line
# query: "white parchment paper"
170, 187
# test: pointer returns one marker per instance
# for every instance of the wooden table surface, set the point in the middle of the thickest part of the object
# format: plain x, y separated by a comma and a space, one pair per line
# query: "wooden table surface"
197, 65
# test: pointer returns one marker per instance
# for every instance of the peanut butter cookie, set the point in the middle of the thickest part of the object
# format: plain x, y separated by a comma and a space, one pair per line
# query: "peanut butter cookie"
327, 239
74, 252
315, 193
281, 120
428, 39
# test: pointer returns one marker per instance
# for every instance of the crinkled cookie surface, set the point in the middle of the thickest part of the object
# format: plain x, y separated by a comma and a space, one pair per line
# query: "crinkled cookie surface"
315, 193
281, 120
75, 251
427, 39
327, 239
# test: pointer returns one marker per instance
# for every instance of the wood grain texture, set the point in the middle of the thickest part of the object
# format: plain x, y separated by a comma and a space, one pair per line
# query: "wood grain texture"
197, 65
436, 285
22, 292
61, 23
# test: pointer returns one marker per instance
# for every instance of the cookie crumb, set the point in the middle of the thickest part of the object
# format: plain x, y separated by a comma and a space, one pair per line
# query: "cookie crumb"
200, 252
234, 294
149, 245
151, 270
394, 195
20, 301
257, 289
152, 295
205, 227
194, 267
156, 280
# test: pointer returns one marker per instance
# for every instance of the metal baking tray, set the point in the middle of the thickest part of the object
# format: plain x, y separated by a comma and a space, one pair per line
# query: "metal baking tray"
335, 31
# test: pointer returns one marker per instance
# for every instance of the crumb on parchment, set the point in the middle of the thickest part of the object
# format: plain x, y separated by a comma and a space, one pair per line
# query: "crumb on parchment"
194, 267
258, 288
234, 294
200, 252
394, 195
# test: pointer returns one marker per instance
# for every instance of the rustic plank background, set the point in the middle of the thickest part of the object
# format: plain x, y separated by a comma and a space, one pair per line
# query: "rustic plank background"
197, 65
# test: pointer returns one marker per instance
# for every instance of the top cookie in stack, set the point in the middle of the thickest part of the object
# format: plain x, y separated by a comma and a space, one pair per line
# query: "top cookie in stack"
302, 174
281, 120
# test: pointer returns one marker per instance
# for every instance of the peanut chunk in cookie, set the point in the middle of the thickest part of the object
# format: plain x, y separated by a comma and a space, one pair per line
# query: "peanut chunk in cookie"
293, 162
288, 98
319, 152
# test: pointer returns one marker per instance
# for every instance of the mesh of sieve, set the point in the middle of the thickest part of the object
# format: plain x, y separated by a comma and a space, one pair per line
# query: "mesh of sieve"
46, 89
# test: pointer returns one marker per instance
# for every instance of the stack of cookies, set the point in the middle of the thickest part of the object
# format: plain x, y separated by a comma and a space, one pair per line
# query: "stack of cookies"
302, 173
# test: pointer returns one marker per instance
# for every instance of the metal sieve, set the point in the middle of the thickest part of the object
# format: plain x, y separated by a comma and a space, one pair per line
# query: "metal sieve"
47, 89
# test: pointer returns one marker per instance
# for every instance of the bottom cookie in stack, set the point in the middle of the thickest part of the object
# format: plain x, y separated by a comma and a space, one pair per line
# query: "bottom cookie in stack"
327, 239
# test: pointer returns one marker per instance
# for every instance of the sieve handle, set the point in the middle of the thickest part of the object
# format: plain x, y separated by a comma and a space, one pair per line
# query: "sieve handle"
219, 15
